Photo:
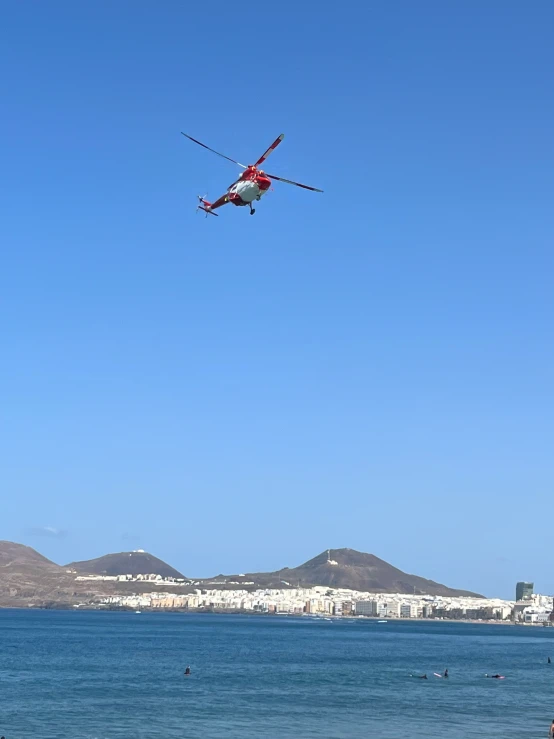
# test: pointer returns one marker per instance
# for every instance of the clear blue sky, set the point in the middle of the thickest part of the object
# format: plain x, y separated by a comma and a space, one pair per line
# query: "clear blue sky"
371, 367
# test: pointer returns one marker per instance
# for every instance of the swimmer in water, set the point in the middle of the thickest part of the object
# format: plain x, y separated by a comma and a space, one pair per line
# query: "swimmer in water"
497, 676
551, 732
187, 671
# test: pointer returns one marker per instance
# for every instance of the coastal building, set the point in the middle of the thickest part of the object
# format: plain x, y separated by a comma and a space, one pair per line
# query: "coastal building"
408, 610
325, 601
347, 608
532, 616
505, 611
524, 590
393, 609
366, 608
457, 614
518, 611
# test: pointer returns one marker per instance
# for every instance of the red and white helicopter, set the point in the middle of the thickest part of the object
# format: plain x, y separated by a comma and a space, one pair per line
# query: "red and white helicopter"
250, 186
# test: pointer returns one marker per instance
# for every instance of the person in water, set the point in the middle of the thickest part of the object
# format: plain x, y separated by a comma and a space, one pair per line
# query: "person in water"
497, 676
445, 673
551, 733
187, 671
548, 661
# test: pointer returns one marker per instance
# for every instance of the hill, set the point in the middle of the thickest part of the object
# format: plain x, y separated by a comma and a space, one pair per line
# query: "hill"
347, 568
18, 557
27, 578
126, 563
25, 575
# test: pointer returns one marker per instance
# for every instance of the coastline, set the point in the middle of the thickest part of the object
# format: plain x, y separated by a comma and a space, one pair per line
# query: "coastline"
64, 606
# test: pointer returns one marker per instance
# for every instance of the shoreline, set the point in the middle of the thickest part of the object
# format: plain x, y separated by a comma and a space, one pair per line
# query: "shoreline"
227, 612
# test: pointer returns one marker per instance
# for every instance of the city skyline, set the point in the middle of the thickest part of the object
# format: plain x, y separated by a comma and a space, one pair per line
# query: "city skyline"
524, 590
537, 610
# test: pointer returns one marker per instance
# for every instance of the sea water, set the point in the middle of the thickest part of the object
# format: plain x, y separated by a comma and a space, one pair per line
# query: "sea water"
104, 675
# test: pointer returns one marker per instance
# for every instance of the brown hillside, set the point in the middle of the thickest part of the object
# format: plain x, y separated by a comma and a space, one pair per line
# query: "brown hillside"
27, 575
355, 571
126, 563
18, 556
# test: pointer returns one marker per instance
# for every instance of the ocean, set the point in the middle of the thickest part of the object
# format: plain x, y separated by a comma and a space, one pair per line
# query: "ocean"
106, 675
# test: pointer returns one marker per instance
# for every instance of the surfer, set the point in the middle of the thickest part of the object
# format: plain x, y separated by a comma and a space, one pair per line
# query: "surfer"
497, 676
187, 670
445, 673
548, 661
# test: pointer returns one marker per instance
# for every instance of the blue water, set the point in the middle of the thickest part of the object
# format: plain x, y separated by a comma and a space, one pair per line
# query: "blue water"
100, 675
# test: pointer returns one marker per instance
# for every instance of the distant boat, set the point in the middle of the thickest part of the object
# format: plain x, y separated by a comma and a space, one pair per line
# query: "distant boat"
382, 622
138, 611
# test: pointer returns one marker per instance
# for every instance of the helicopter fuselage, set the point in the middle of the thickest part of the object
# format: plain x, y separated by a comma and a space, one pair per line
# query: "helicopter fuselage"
251, 185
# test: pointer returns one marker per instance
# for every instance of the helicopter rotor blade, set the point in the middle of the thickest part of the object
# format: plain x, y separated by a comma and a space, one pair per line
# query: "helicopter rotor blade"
273, 146
214, 151
292, 182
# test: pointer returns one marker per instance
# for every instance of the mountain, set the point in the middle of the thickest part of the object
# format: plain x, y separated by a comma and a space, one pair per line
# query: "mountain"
126, 563
29, 579
347, 568
17, 559
26, 575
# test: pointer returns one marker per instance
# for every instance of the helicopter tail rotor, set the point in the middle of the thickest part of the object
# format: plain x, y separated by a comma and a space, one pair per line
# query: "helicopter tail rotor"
205, 206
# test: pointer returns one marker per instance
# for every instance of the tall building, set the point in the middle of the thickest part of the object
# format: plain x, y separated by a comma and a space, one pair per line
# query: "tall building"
524, 590
366, 608
347, 608
383, 610
408, 610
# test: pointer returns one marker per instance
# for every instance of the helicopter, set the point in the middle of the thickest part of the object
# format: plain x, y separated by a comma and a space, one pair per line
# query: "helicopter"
251, 184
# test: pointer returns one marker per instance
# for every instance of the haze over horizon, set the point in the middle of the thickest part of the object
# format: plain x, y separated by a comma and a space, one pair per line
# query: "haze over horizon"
370, 367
